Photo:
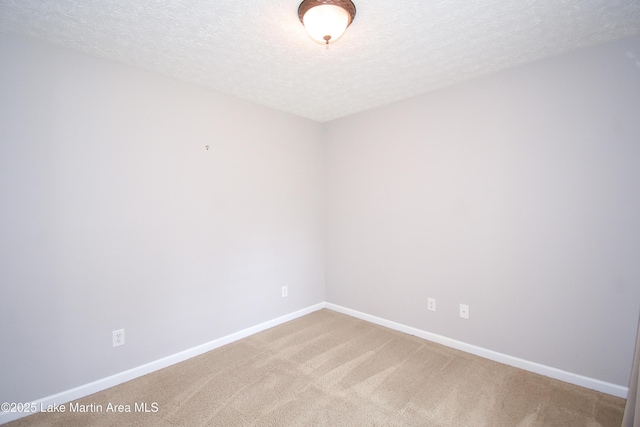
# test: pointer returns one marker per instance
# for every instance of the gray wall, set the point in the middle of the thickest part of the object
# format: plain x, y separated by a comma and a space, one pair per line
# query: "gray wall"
114, 215
518, 194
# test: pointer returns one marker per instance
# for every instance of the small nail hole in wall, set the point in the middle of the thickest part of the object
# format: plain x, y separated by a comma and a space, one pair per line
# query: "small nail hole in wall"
207, 147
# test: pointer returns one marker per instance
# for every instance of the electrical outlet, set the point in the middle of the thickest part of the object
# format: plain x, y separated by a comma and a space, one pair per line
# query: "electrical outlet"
464, 311
431, 304
118, 337
285, 291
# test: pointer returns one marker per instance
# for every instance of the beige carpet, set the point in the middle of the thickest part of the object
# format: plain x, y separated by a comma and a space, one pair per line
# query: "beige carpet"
328, 369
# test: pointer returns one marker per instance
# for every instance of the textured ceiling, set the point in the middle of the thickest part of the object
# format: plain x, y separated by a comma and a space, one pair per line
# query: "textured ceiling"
258, 50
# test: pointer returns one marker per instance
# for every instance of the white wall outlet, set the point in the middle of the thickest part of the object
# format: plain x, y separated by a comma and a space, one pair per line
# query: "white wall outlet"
431, 304
464, 311
118, 337
285, 291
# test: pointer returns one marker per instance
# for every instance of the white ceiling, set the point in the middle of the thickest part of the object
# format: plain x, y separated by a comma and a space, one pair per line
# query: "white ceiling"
258, 50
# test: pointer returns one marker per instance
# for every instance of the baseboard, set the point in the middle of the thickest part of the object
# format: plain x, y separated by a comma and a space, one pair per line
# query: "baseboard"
114, 380
516, 362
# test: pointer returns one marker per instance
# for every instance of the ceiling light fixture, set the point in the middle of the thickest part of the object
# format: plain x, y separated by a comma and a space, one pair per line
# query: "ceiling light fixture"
326, 20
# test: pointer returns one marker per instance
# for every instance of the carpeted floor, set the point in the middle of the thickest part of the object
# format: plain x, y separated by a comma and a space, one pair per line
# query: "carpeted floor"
328, 369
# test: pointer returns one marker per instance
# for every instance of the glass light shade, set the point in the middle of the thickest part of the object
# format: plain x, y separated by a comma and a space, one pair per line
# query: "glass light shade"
326, 20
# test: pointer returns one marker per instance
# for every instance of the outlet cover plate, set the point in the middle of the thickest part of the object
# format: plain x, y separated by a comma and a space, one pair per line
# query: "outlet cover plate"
118, 337
431, 304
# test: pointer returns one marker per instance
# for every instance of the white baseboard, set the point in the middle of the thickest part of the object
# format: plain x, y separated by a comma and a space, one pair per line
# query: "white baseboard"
108, 382
516, 362
113, 380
